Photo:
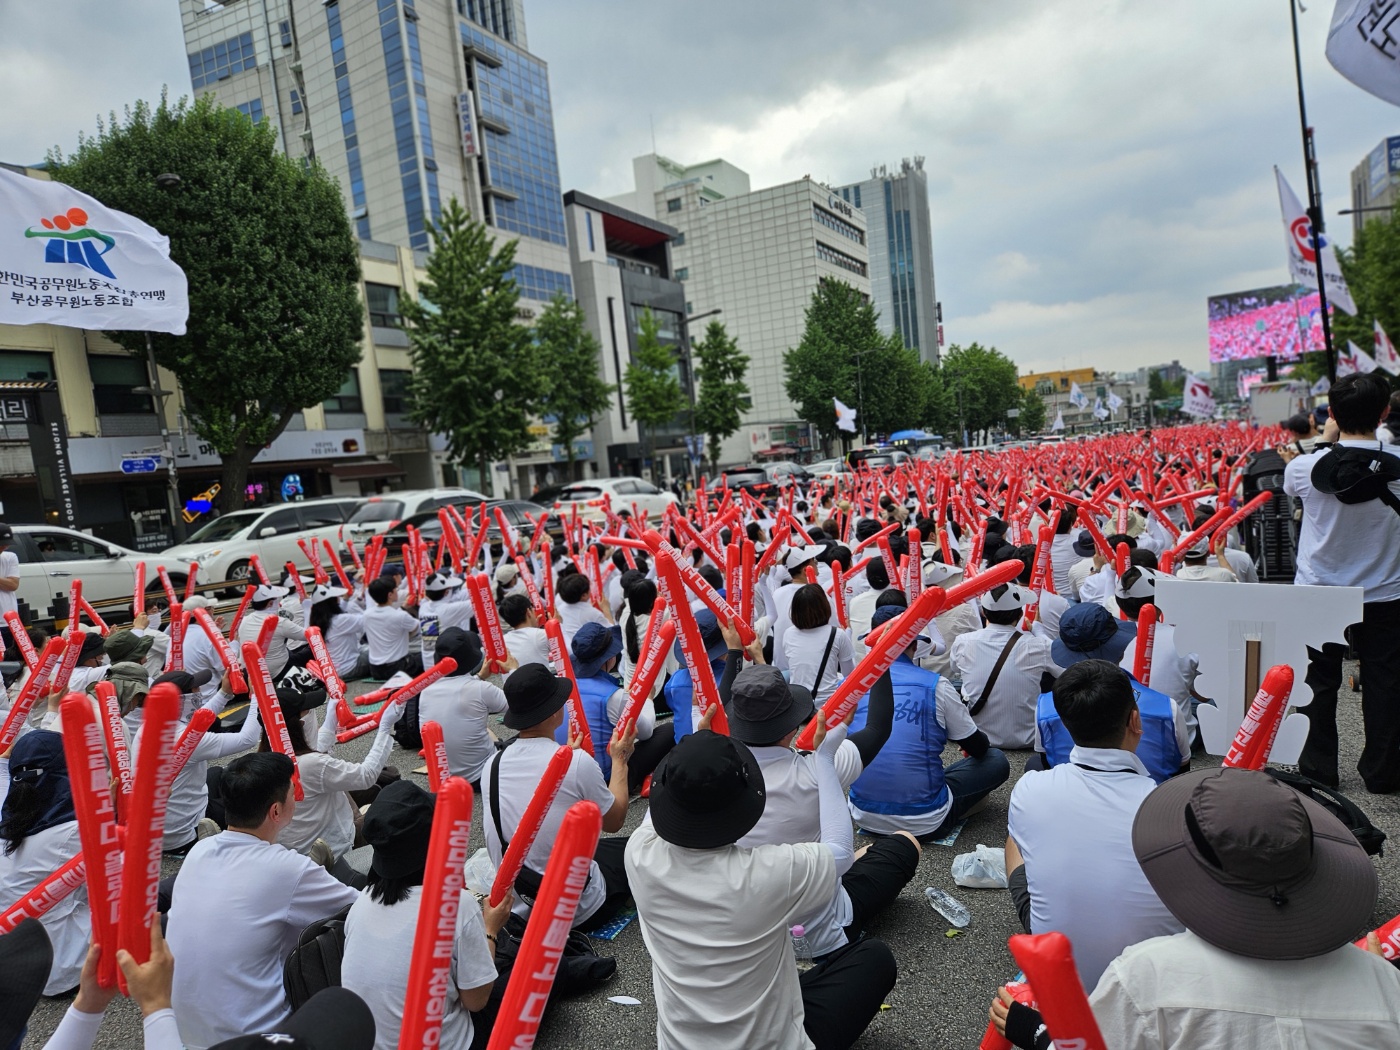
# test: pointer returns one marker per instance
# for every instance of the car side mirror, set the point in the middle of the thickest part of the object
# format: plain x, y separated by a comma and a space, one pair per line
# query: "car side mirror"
111, 554
266, 531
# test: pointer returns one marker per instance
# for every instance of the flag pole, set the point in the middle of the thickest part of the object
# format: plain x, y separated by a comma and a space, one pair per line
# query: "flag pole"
1314, 207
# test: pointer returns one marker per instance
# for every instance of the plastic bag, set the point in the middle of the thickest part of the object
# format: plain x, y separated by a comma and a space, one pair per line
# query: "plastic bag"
984, 870
479, 873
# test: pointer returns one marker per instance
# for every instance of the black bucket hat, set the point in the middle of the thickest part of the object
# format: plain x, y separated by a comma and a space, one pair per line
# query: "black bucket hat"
462, 646
533, 693
398, 824
763, 708
707, 792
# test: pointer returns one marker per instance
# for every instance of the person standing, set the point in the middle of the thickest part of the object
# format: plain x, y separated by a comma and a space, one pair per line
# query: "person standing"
9, 583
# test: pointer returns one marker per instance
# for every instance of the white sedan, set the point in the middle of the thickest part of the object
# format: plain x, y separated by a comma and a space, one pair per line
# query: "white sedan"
625, 494
829, 469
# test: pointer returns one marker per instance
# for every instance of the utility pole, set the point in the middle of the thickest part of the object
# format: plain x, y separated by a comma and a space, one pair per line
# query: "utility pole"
172, 476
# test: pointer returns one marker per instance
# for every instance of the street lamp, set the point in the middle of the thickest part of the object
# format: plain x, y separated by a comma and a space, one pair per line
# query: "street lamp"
170, 182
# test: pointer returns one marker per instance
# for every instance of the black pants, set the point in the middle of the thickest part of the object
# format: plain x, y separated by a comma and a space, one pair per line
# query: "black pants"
1375, 638
608, 857
875, 880
844, 991
412, 663
647, 755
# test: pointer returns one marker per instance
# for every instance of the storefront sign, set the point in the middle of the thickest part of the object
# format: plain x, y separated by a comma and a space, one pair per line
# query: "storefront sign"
105, 455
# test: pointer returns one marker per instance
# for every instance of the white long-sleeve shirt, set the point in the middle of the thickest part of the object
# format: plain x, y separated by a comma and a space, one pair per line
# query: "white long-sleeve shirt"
68, 923
326, 811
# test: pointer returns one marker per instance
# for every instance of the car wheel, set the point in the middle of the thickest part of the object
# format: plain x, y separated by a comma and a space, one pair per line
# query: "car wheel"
238, 574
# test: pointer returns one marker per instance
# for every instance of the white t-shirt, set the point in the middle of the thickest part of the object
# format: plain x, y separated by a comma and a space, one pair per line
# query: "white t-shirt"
572, 617
462, 705
952, 624
1047, 616
388, 630
251, 627
434, 617
9, 600
68, 923
804, 648
327, 812
1062, 556
1077, 574
343, 640
716, 922
379, 950
238, 906
1206, 571
1173, 673
529, 645
522, 767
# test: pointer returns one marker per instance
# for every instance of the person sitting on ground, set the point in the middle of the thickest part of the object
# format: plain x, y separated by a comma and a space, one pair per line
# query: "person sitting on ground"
1062, 549
463, 704
906, 787
716, 915
639, 599
535, 701
342, 625
783, 582
1049, 606
595, 652
1173, 672
262, 608
525, 639
679, 691
1085, 808
573, 607
1003, 670
1272, 890
508, 581
389, 633
445, 605
861, 608
239, 903
128, 675
1196, 562
818, 653
1099, 586
954, 621
380, 928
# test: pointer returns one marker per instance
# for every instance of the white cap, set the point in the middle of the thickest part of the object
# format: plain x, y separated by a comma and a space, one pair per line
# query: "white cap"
797, 555
442, 581
324, 592
266, 592
1136, 582
1006, 598
936, 573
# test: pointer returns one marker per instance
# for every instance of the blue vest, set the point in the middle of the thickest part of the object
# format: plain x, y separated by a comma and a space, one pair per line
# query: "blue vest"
595, 693
906, 777
680, 695
1157, 750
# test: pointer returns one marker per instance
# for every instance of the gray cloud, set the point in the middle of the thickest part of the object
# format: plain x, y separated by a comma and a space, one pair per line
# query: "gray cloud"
1096, 167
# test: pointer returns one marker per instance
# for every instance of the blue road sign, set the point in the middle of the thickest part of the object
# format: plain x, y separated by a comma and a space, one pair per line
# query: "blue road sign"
141, 465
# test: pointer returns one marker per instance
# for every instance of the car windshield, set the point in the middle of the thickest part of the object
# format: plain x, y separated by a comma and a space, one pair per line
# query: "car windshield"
378, 510
580, 492
225, 528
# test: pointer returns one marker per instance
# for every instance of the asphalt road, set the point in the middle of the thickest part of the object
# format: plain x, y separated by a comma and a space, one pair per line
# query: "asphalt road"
945, 984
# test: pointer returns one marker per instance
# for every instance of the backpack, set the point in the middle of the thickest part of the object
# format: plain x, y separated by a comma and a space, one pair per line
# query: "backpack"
405, 730
315, 962
1358, 475
1372, 838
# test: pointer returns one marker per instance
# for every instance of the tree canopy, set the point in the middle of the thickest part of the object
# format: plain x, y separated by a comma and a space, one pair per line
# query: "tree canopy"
275, 316
983, 383
653, 387
720, 367
573, 394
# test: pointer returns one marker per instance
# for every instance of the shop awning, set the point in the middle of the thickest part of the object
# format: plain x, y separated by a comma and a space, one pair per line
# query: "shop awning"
369, 469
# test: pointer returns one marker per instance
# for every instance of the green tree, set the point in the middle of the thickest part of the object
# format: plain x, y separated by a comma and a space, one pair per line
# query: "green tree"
983, 382
720, 367
275, 316
476, 377
653, 388
574, 392
893, 385
940, 409
1371, 267
1032, 419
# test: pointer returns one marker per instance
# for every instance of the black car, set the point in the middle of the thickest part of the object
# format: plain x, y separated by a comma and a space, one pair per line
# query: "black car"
756, 481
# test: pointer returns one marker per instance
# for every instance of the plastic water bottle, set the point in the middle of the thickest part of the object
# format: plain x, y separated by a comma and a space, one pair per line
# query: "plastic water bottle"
948, 907
800, 947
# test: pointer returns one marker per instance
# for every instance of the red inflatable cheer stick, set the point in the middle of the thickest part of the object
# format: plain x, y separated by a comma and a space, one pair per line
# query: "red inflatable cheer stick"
340, 574
191, 579
335, 688
21, 638
1389, 935
170, 596
37, 902
255, 568
194, 732
402, 695
97, 829
33, 689
914, 568
75, 609
991, 1038
733, 567
690, 576
487, 622
1120, 559
1223, 529
747, 581
1146, 641
1049, 967
532, 590
216, 637
529, 827
115, 734
274, 722
1257, 732
838, 590
697, 661
175, 657
64, 670
430, 971
1100, 544
138, 590
93, 615
657, 644
559, 656
145, 830
542, 947
435, 754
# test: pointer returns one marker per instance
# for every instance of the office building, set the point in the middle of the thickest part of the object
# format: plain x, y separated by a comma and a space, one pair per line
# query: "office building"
901, 254
407, 103
1375, 184
756, 256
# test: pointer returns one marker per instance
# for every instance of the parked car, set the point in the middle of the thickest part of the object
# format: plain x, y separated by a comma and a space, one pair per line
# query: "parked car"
224, 546
625, 493
381, 513
50, 558
756, 481
784, 473
829, 470
877, 458
519, 514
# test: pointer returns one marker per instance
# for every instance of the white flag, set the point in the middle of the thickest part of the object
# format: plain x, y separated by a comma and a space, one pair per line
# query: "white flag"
1077, 397
1099, 411
68, 259
845, 417
1197, 400
1363, 45
1114, 402
1321, 387
1297, 235
1354, 360
1059, 423
1386, 356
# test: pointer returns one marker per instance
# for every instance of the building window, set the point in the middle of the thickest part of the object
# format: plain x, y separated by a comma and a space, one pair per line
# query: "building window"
393, 388
408, 100
668, 322
347, 398
222, 60
674, 204
347, 121
252, 110
297, 107
1064, 382
285, 29
1044, 387
683, 274
495, 15
829, 254
840, 225
383, 303
19, 364
535, 282
113, 378
588, 221
678, 240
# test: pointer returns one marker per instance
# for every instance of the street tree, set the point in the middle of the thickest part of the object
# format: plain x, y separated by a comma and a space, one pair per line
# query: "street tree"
476, 378
654, 394
1372, 270
275, 316
940, 411
1032, 418
574, 393
720, 368
984, 385
831, 361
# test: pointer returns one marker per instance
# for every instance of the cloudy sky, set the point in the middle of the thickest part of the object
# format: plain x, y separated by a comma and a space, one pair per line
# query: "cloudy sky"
1096, 167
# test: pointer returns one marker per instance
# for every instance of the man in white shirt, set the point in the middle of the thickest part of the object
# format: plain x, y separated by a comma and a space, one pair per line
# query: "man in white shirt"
716, 916
444, 605
1173, 672
524, 638
9, 583
462, 704
1085, 567
240, 902
1195, 563
1345, 543
573, 607
862, 607
264, 607
953, 622
1003, 669
1082, 809
389, 633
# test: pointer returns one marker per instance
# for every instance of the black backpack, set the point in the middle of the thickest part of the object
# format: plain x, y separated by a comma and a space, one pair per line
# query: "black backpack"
315, 962
1358, 475
1372, 838
405, 730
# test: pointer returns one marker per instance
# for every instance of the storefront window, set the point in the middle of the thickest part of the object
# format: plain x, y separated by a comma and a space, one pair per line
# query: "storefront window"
20, 364
112, 381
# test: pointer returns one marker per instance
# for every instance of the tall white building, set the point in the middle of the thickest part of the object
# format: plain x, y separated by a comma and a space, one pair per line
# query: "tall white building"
756, 256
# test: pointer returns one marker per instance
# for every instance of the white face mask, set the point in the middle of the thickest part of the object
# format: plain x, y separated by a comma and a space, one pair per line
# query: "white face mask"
153, 620
106, 661
922, 648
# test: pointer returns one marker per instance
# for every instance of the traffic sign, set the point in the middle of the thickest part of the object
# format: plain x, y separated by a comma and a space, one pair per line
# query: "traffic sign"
141, 465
